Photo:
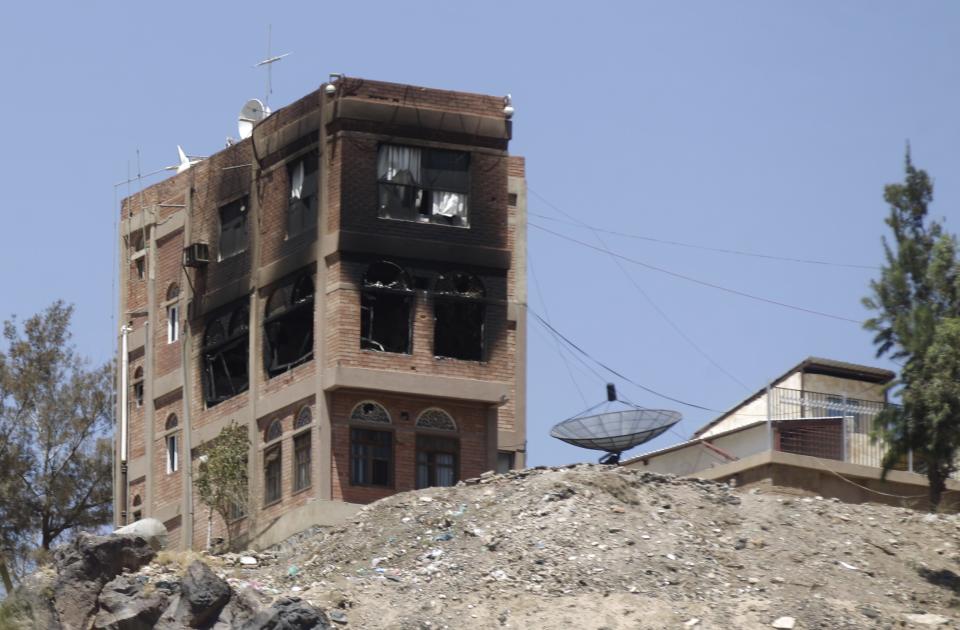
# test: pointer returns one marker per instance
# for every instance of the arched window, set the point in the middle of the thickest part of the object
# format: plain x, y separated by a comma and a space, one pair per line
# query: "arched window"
459, 313
138, 386
224, 354
304, 418
173, 291
385, 309
137, 513
173, 443
274, 431
288, 325
436, 419
369, 411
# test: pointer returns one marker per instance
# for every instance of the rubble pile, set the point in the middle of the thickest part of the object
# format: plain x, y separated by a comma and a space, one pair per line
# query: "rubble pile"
576, 547
600, 547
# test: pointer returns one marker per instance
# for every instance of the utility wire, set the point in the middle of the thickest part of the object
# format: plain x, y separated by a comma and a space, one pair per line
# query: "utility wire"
609, 369
650, 300
722, 250
546, 311
696, 280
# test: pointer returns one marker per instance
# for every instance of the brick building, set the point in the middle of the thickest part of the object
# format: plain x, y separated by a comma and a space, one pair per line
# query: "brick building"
345, 283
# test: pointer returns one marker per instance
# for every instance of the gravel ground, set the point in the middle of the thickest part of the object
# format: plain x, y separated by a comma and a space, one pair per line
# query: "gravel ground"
599, 547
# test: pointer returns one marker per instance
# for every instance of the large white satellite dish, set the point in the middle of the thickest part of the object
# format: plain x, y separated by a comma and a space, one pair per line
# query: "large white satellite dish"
253, 111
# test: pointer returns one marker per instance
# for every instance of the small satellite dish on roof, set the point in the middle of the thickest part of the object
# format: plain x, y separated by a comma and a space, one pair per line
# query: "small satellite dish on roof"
186, 161
614, 430
253, 111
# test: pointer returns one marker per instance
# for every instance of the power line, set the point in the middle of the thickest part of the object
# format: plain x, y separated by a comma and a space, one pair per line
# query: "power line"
663, 315
546, 311
696, 280
609, 369
722, 250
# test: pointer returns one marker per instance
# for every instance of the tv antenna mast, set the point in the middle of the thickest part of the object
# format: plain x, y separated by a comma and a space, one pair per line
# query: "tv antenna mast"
268, 62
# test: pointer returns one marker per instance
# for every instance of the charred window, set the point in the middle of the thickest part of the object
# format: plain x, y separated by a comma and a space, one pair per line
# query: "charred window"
288, 326
233, 228
302, 211
225, 351
423, 185
459, 313
385, 309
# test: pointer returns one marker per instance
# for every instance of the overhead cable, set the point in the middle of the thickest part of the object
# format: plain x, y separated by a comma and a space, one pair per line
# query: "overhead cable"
722, 250
696, 280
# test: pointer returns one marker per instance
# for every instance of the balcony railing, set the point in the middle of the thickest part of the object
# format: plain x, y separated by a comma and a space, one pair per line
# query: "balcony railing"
830, 426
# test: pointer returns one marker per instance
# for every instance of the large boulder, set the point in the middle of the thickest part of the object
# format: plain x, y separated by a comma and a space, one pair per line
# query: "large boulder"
126, 605
202, 596
289, 614
150, 529
85, 565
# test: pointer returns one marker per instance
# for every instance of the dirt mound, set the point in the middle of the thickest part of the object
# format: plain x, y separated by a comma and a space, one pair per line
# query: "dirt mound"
598, 547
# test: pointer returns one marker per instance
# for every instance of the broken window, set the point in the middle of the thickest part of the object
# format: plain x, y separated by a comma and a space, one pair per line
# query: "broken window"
138, 387
385, 309
302, 211
371, 455
272, 469
225, 351
233, 228
173, 454
288, 326
274, 431
423, 185
505, 461
137, 513
459, 312
436, 461
369, 411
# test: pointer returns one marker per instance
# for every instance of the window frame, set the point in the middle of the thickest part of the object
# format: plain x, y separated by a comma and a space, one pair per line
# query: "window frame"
307, 210
366, 432
422, 189
233, 227
273, 473
173, 323
447, 299
431, 445
289, 308
304, 435
369, 292
233, 337
172, 441
137, 386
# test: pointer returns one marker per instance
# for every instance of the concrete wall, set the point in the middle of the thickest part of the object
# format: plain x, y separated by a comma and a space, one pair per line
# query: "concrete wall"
695, 457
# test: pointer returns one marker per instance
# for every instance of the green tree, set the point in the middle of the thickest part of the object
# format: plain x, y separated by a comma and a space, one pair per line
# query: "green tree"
222, 477
55, 449
917, 299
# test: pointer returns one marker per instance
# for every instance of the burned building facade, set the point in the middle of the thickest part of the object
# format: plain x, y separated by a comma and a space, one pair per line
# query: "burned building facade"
346, 283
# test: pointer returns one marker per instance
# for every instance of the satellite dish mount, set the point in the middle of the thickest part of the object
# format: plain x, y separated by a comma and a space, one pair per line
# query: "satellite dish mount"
614, 429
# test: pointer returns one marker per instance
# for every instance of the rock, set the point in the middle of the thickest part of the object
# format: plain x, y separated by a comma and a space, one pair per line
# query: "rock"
927, 619
248, 561
202, 596
85, 565
784, 623
150, 529
289, 614
338, 616
124, 605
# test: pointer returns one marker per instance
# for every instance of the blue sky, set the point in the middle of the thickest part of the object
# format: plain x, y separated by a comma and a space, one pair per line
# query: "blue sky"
762, 126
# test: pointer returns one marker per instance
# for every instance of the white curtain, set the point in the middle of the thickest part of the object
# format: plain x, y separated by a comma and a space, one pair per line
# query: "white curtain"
296, 182
399, 165
449, 204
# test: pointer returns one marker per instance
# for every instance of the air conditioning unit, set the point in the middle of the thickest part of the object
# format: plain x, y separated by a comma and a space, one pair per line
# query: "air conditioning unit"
196, 255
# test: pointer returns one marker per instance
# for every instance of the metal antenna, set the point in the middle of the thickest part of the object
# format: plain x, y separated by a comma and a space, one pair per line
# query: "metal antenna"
268, 62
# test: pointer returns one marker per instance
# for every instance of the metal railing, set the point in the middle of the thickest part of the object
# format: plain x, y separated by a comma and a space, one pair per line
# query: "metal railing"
830, 426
